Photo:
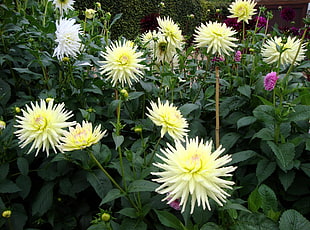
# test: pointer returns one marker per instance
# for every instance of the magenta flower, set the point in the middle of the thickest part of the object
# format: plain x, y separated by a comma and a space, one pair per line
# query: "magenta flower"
270, 81
238, 56
288, 14
175, 204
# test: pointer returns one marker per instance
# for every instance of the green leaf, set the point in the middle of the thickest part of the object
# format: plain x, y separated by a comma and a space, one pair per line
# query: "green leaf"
301, 112
4, 169
254, 201
264, 113
245, 121
211, 226
254, 221
268, 197
169, 220
23, 165
285, 154
286, 179
235, 206
264, 169
266, 102
134, 95
242, 156
132, 224
265, 134
245, 90
130, 212
99, 182
229, 140
5, 92
7, 186
111, 195
44, 200
188, 108
24, 183
142, 186
306, 168
293, 220
118, 140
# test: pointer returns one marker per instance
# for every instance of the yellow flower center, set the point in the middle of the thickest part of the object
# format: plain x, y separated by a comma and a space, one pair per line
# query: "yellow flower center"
194, 163
40, 122
123, 60
172, 117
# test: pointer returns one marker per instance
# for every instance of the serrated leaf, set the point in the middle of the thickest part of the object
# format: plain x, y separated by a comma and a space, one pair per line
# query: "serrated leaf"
265, 134
268, 197
242, 156
43, 200
24, 183
293, 220
285, 154
188, 108
286, 179
264, 169
254, 221
245, 90
306, 168
254, 201
169, 220
134, 95
264, 113
118, 140
142, 186
301, 112
130, 212
23, 165
111, 195
245, 121
99, 182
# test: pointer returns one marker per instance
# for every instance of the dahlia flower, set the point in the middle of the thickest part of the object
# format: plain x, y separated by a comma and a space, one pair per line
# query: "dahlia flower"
122, 63
67, 37
193, 172
43, 125
170, 118
81, 137
216, 36
90, 13
63, 5
287, 52
270, 81
287, 14
171, 31
243, 10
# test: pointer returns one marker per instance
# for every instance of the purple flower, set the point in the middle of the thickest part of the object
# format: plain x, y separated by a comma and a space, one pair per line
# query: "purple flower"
270, 81
232, 22
238, 56
261, 21
287, 14
218, 59
174, 204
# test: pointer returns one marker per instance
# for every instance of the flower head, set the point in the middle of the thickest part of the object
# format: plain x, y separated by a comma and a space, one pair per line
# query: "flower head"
287, 14
43, 125
216, 36
122, 63
270, 81
238, 55
170, 118
90, 13
63, 5
242, 9
275, 49
81, 137
67, 37
171, 31
193, 171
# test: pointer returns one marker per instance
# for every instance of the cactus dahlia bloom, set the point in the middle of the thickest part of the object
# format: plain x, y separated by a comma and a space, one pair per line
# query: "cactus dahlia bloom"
170, 118
171, 31
216, 36
193, 172
63, 5
81, 137
276, 49
67, 37
43, 125
122, 63
243, 10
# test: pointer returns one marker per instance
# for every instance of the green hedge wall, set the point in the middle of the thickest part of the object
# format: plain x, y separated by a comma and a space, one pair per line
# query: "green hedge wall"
134, 10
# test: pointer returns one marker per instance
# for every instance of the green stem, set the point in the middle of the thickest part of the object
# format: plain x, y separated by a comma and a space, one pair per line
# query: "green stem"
153, 152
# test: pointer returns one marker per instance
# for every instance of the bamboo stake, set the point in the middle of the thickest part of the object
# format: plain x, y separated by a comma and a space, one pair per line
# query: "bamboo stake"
217, 107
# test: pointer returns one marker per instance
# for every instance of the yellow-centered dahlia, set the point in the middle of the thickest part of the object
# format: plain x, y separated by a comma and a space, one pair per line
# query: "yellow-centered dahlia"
216, 36
43, 125
170, 118
122, 63
193, 172
171, 31
81, 137
243, 10
276, 49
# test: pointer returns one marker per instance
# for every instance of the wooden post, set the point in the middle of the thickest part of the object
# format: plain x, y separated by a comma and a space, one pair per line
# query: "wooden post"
217, 107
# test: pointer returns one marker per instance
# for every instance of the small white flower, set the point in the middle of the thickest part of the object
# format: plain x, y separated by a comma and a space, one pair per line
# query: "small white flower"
63, 5
67, 37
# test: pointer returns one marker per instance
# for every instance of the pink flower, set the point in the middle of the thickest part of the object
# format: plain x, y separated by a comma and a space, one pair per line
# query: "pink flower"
174, 204
270, 81
238, 56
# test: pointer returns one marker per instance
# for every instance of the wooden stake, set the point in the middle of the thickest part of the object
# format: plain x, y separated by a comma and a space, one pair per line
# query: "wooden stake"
217, 107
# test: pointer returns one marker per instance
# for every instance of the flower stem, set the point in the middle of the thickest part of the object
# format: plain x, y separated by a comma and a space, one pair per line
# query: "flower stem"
153, 152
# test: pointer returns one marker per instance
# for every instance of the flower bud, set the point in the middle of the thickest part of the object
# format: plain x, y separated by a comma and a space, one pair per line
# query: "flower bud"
138, 129
17, 109
7, 213
49, 99
66, 59
162, 4
2, 125
90, 13
98, 4
124, 93
105, 217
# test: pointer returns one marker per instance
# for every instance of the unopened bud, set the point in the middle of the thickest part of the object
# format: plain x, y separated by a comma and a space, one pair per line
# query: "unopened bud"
17, 109
90, 13
66, 59
98, 4
7, 213
49, 99
124, 93
105, 217
138, 129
